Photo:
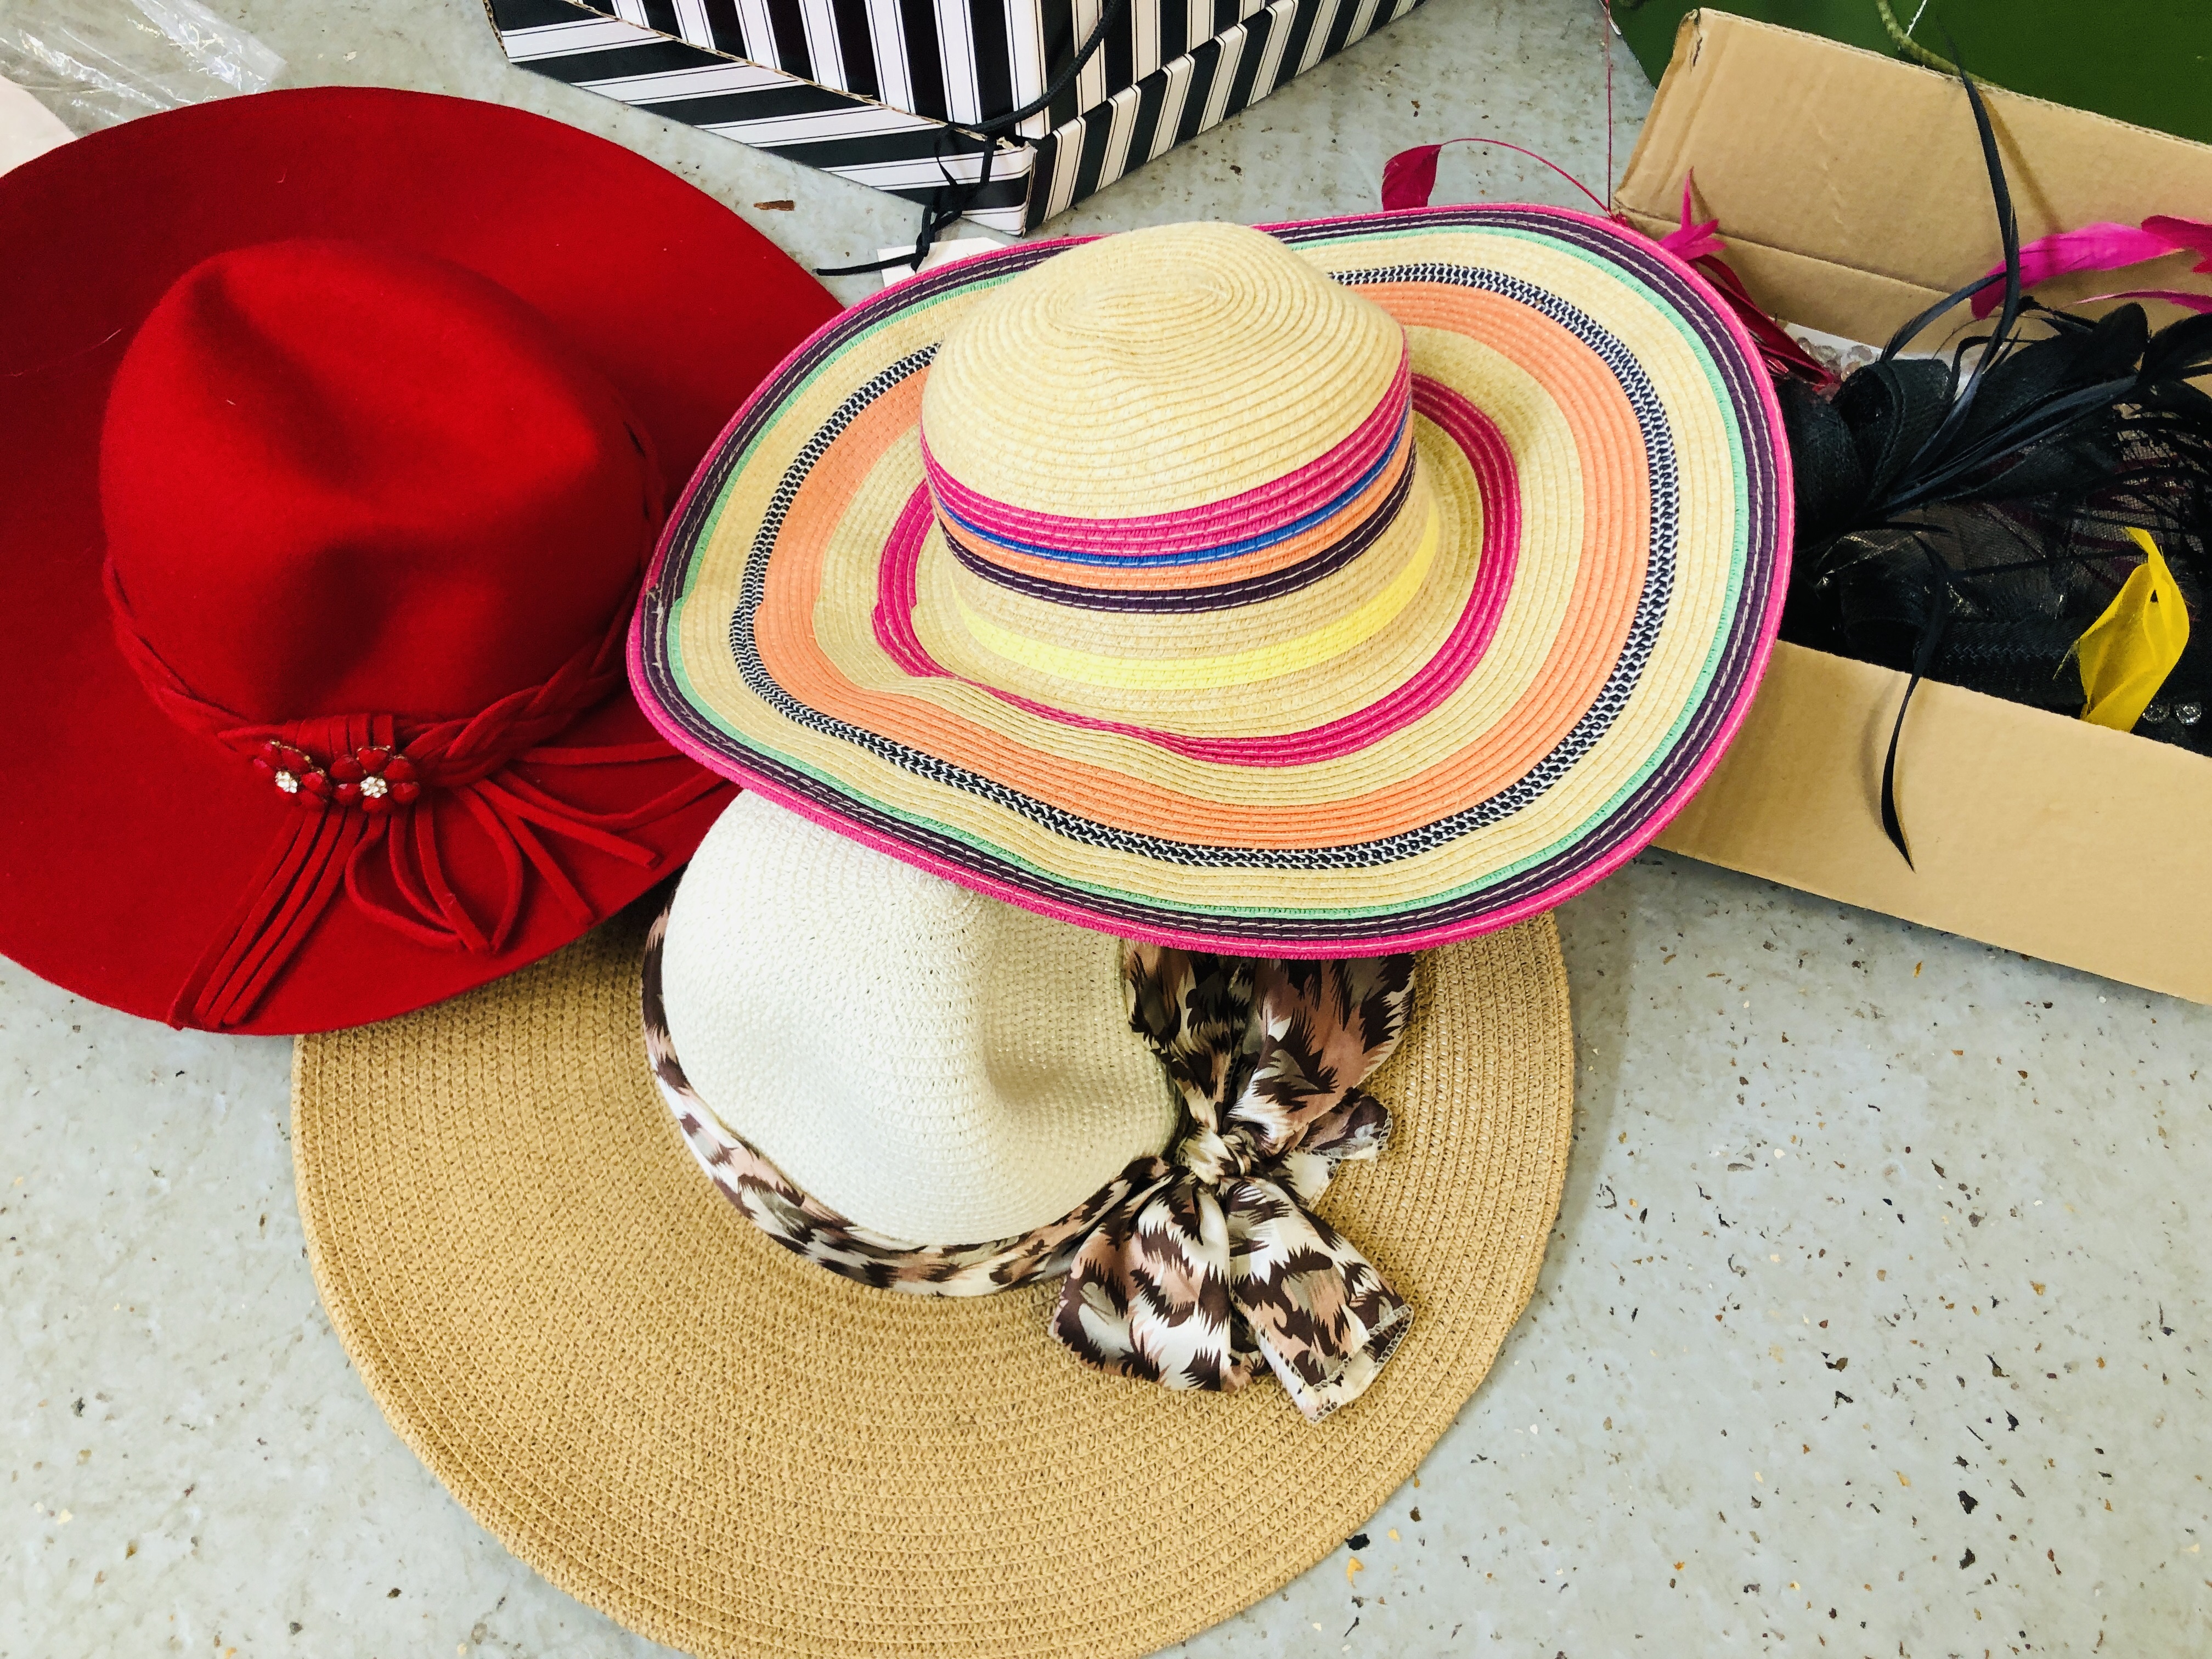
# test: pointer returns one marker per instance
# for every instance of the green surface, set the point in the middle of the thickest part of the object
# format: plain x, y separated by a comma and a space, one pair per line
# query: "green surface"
2145, 61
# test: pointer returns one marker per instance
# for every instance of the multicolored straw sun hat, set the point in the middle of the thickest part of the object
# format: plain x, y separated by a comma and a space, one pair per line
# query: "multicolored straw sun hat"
778, 1412
1348, 589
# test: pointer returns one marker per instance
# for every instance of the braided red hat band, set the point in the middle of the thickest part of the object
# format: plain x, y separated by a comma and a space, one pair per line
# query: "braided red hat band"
370, 782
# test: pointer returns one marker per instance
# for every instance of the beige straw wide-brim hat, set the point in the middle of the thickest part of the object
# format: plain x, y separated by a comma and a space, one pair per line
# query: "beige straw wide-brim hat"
733, 1451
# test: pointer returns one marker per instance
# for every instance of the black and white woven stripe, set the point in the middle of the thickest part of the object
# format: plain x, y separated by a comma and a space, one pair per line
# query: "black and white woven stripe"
879, 91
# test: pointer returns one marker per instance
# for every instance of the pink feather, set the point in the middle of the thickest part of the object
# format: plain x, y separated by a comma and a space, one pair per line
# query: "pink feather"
1409, 178
2192, 235
1689, 241
2103, 247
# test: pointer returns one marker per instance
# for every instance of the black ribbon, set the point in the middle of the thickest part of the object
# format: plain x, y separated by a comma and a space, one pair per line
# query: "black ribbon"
1923, 658
952, 198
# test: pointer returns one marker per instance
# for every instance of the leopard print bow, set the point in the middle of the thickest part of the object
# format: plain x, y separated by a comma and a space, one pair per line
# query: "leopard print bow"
1219, 1264
1190, 1269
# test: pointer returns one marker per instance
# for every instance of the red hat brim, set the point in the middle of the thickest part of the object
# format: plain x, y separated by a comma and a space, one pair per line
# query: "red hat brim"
125, 842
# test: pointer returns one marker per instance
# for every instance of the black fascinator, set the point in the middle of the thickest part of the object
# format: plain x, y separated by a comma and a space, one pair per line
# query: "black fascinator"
1965, 518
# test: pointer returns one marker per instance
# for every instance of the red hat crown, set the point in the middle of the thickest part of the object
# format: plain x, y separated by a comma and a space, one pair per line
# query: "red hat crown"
337, 477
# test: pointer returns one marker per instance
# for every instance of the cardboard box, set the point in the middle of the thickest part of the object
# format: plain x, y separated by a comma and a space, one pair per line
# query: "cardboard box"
1851, 192
887, 92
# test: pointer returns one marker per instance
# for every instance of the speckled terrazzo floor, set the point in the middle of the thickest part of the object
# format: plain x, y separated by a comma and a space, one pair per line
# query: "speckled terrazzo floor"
1873, 1325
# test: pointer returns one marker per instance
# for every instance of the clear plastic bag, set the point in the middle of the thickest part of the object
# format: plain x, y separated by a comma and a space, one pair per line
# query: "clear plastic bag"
95, 63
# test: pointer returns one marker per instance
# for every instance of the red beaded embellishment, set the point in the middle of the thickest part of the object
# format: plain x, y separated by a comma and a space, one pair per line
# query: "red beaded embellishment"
374, 779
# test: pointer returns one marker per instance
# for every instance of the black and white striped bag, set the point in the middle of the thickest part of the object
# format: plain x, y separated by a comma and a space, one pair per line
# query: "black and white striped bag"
891, 93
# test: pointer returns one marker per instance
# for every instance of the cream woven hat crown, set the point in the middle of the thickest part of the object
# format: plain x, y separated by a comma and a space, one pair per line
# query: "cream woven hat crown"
1344, 589
936, 1066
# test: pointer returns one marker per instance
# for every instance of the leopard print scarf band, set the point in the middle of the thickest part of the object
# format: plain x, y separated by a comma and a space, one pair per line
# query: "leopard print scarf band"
1190, 1269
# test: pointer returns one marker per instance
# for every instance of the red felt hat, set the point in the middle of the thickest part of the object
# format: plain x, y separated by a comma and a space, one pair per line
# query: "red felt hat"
336, 430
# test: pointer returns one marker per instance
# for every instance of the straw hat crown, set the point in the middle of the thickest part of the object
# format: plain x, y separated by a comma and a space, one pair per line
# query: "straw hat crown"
1155, 372
936, 1067
1171, 470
